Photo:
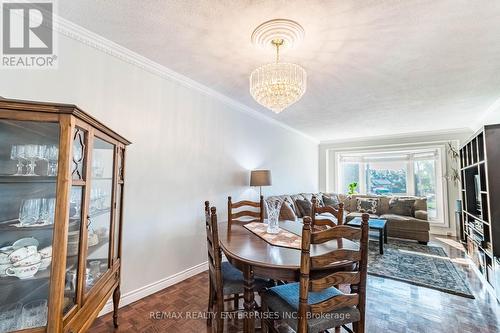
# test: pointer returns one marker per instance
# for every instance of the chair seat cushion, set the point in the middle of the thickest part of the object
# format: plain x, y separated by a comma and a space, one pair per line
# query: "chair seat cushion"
232, 280
284, 300
405, 222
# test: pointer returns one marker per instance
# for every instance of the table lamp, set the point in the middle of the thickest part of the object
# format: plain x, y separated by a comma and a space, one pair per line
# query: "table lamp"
260, 178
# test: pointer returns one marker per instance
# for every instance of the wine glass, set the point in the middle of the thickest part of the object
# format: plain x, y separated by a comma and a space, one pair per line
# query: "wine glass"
52, 156
17, 153
42, 153
31, 153
47, 210
29, 212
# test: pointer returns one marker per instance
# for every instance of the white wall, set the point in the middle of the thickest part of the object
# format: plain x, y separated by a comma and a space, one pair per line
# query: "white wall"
327, 171
492, 117
188, 147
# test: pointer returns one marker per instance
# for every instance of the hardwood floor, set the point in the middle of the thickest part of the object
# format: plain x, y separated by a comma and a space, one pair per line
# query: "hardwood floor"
392, 306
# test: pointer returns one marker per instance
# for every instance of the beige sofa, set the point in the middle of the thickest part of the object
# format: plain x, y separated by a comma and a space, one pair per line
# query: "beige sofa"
413, 226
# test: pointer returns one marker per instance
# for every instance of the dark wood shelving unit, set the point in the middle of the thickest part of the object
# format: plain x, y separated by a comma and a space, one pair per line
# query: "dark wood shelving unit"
480, 190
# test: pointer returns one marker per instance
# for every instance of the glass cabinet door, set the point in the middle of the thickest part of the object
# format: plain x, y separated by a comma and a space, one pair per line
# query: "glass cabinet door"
99, 207
118, 203
28, 171
77, 169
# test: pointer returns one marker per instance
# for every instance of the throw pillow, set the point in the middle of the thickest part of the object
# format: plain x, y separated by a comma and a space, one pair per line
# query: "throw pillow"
319, 199
399, 206
304, 206
332, 201
367, 205
286, 212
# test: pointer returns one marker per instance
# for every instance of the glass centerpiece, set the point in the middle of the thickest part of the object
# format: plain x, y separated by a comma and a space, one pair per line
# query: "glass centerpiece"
273, 213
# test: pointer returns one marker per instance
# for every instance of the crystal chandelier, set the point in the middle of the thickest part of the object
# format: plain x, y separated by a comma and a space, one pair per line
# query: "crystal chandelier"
278, 85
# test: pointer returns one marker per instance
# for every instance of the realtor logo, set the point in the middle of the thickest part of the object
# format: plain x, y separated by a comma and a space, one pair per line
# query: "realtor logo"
27, 34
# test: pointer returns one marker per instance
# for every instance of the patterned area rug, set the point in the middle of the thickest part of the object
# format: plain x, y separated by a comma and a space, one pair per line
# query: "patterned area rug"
421, 265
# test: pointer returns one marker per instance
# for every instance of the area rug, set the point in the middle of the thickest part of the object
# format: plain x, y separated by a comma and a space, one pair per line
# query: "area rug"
421, 265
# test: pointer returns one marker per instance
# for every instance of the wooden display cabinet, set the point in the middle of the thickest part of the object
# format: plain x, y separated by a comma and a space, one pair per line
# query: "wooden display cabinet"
61, 202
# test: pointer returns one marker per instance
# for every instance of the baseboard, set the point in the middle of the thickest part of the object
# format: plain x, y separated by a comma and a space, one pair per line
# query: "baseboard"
442, 231
489, 288
135, 295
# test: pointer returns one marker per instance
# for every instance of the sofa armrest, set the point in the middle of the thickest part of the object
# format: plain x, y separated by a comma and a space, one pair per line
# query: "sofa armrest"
421, 215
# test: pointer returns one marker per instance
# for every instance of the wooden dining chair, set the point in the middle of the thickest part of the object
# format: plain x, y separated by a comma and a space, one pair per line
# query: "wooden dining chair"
245, 211
319, 305
318, 222
224, 278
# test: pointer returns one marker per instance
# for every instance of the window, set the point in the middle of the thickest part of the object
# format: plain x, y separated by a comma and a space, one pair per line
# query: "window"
415, 172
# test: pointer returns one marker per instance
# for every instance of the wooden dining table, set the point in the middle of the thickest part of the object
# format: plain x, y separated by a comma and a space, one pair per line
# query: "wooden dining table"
256, 257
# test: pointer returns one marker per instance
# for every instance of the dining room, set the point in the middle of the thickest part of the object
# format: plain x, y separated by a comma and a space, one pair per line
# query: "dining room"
249, 166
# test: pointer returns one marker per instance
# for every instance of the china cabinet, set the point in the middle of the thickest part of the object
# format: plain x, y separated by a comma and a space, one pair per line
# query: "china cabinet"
61, 190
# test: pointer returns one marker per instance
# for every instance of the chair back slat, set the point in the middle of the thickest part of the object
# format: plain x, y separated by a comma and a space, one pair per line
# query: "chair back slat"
254, 211
334, 303
336, 232
211, 254
318, 221
246, 213
334, 279
354, 275
213, 249
334, 256
244, 203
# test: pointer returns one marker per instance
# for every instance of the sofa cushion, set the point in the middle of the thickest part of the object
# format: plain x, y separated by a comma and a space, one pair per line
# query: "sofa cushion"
331, 200
304, 207
383, 205
368, 205
307, 196
405, 222
402, 206
352, 215
421, 215
294, 198
286, 212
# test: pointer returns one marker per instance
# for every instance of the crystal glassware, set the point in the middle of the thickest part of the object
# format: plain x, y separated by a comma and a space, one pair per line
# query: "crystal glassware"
17, 154
273, 212
95, 269
30, 212
10, 314
31, 153
52, 156
47, 210
34, 314
97, 168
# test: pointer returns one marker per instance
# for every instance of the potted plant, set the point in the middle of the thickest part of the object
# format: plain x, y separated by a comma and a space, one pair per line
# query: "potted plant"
352, 188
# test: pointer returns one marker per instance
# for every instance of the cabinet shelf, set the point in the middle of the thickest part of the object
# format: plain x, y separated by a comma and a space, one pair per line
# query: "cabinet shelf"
472, 165
476, 217
8, 179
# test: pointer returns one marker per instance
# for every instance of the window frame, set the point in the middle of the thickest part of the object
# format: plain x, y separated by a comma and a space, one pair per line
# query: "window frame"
441, 166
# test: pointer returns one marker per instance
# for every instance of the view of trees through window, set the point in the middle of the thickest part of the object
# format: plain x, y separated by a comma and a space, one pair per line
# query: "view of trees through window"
386, 178
386, 174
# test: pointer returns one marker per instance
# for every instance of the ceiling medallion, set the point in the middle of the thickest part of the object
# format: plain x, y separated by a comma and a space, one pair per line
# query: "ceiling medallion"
278, 85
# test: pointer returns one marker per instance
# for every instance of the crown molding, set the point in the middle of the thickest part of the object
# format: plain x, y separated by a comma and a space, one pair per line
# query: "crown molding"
417, 135
93, 40
494, 107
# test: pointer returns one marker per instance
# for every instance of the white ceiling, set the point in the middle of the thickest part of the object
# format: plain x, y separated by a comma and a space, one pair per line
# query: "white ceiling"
374, 67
